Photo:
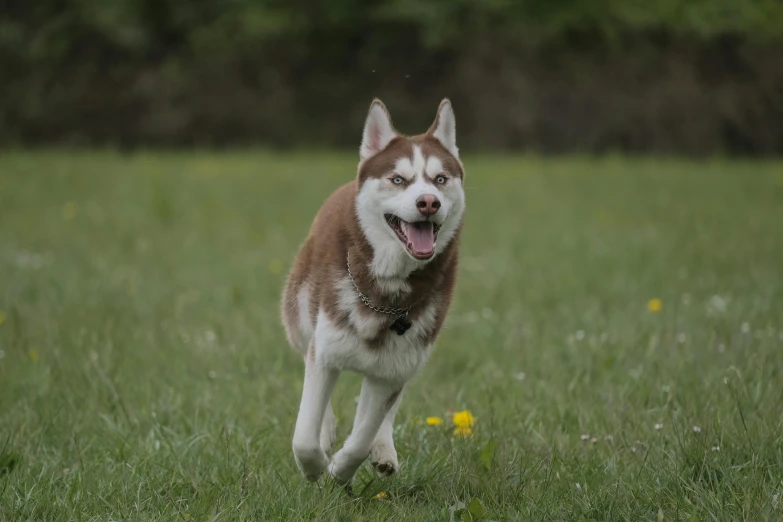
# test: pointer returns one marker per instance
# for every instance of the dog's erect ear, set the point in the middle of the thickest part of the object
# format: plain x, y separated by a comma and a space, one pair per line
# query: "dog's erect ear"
378, 130
444, 128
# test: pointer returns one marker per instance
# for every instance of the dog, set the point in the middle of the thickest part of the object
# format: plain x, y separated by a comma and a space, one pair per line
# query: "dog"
371, 285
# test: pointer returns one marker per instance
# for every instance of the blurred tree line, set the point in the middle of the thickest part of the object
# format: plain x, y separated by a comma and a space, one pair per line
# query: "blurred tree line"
669, 76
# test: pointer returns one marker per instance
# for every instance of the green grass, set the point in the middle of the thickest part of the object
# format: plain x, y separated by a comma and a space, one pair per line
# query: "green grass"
145, 374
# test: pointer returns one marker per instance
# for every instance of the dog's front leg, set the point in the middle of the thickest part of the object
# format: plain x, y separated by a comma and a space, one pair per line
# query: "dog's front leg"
376, 399
319, 382
383, 455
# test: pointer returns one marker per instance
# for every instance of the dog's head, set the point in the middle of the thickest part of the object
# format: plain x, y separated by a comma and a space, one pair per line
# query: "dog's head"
411, 197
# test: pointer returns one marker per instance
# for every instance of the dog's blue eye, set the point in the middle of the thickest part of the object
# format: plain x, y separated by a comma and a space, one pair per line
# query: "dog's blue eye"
397, 180
441, 179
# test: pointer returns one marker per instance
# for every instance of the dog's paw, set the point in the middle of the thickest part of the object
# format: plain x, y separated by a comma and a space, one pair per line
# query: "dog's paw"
311, 461
384, 459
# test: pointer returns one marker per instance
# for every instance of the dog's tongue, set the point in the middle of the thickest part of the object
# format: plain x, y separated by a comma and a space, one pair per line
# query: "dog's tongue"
421, 237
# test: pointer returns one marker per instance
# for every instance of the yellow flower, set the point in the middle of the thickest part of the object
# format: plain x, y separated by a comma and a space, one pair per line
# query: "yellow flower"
654, 305
275, 266
434, 421
463, 419
463, 423
381, 496
463, 431
2, 318
70, 210
33, 354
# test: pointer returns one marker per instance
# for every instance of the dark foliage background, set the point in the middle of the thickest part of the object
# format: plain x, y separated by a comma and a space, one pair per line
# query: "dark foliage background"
665, 76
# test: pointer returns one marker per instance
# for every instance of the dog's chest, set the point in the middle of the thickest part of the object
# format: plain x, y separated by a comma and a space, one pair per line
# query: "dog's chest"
363, 341
354, 348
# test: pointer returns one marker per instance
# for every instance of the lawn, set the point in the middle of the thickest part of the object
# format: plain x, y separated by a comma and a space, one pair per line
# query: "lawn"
617, 333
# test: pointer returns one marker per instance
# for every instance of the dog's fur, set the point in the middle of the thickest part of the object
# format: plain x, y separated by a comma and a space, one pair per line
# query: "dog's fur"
324, 317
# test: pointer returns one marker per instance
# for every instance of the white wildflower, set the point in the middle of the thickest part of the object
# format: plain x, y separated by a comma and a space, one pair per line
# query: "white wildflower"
716, 305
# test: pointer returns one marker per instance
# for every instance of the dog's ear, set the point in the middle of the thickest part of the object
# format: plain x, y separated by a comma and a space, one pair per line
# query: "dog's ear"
378, 130
444, 128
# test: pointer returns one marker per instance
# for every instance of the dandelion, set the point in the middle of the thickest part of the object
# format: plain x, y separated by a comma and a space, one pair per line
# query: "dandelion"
434, 421
745, 328
463, 431
658, 426
697, 429
381, 496
520, 376
666, 388
593, 440
585, 437
717, 305
33, 354
654, 305
70, 209
715, 448
463, 419
2, 318
681, 337
463, 423
580, 334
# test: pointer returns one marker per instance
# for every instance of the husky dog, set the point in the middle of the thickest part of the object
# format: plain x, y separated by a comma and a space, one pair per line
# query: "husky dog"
371, 285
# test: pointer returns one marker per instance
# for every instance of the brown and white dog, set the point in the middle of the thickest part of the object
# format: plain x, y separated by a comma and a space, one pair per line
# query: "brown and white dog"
371, 285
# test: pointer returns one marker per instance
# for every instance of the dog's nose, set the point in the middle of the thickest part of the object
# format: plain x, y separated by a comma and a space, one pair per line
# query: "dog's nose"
428, 204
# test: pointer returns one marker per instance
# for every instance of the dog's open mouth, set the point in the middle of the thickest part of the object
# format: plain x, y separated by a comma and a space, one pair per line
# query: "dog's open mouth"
418, 237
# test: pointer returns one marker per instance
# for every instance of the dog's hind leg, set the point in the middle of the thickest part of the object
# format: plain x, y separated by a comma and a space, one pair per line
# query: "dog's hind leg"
328, 428
319, 382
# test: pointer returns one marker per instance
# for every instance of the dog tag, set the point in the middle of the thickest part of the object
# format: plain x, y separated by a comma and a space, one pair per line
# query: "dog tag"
401, 324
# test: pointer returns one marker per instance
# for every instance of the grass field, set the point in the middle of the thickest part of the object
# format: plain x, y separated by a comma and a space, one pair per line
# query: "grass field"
144, 373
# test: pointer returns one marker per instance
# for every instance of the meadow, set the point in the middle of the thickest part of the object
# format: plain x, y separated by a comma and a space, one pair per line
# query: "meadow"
617, 336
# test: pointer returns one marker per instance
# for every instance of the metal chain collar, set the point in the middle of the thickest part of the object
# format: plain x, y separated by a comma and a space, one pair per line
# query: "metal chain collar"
366, 300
